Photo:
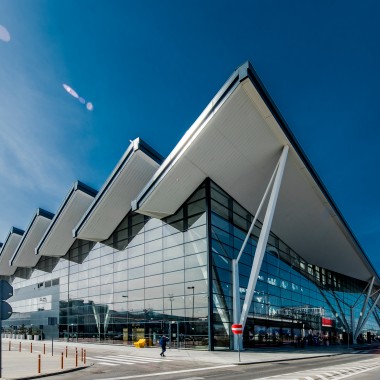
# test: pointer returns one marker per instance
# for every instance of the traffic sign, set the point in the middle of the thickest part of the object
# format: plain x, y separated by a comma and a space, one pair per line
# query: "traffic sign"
6, 310
237, 329
6, 290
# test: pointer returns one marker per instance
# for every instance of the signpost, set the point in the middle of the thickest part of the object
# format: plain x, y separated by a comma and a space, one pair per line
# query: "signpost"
6, 291
237, 329
52, 321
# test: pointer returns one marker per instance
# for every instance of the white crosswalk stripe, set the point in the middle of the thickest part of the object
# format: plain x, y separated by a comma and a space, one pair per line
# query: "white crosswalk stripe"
111, 364
342, 371
113, 360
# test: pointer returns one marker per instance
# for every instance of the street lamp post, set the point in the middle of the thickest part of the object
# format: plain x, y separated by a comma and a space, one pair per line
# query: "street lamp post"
192, 288
171, 297
125, 296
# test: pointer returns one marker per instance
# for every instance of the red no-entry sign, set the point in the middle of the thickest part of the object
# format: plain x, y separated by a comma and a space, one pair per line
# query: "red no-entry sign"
237, 329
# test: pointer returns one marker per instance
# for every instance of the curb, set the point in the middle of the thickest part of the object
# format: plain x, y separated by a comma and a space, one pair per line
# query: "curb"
53, 373
289, 359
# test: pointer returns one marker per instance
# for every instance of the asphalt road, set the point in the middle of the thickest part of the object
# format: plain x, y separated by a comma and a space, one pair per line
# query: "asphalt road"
364, 365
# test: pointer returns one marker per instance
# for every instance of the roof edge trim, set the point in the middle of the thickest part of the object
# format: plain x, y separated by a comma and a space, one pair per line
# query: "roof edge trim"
13, 230
237, 76
255, 79
244, 71
135, 145
39, 212
77, 186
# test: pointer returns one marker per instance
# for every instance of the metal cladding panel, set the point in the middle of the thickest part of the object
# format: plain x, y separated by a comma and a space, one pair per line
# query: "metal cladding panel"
6, 253
58, 238
24, 255
238, 148
113, 204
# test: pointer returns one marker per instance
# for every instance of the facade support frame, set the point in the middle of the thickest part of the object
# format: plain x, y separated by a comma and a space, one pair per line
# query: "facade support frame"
364, 307
360, 327
241, 315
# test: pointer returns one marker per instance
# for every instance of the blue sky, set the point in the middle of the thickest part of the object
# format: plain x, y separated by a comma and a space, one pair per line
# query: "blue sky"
150, 67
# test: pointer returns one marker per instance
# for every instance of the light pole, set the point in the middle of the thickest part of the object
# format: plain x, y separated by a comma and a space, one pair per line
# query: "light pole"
125, 296
171, 298
192, 288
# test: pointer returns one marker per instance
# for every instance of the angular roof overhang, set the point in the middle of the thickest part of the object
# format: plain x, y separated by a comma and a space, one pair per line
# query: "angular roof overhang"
113, 201
58, 238
24, 255
7, 250
236, 142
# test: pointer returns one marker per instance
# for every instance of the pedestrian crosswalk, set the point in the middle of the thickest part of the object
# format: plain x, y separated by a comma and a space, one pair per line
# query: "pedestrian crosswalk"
341, 371
113, 360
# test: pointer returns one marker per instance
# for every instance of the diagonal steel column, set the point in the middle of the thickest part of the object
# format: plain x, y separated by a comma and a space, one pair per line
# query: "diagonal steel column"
341, 316
360, 327
364, 307
376, 315
263, 239
235, 262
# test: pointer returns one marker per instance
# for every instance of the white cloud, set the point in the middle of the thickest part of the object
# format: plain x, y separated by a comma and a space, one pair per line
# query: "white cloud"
37, 164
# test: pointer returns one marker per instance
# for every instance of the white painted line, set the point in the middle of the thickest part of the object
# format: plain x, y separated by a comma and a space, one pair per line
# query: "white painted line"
127, 360
112, 364
168, 373
107, 360
143, 358
137, 359
356, 373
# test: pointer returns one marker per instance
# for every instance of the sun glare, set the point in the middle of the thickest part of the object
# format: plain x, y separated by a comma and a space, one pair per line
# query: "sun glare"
4, 34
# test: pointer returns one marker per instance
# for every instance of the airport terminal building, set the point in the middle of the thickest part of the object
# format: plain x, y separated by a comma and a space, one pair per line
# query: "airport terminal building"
234, 226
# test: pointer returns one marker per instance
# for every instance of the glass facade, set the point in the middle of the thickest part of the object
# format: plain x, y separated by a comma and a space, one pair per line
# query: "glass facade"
174, 276
293, 299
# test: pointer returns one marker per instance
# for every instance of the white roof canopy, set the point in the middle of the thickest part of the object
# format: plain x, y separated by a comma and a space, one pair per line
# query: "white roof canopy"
236, 142
24, 255
113, 201
11, 243
58, 238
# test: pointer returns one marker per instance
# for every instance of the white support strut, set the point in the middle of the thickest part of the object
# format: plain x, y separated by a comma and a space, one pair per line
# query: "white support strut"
360, 328
235, 262
364, 307
263, 239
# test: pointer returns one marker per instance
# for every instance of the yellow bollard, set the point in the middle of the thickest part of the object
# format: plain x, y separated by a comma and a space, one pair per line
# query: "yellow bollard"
66, 351
31, 347
81, 354
62, 360
19, 347
39, 363
76, 357
9, 345
44, 349
84, 356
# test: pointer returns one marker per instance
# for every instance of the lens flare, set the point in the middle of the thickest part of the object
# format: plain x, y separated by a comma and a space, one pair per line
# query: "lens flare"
73, 93
70, 91
4, 34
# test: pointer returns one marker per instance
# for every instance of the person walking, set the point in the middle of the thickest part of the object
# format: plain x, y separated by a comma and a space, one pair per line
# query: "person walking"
163, 342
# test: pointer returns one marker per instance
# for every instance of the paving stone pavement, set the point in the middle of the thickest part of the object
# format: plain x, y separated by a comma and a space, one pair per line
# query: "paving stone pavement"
23, 364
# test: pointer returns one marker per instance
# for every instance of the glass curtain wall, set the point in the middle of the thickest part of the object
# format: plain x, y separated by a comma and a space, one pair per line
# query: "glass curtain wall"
294, 301
150, 277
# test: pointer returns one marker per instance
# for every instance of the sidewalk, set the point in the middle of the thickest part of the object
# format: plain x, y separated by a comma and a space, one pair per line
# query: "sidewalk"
24, 364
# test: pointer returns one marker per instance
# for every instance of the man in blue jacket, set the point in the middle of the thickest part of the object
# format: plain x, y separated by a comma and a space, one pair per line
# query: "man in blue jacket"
163, 341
